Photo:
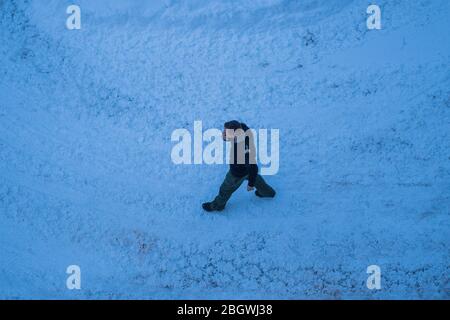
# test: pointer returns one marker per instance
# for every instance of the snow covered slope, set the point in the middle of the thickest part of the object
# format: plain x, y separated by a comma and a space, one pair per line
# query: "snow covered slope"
86, 176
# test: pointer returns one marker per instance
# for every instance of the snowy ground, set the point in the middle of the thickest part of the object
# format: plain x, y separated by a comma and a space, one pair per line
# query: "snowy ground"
86, 176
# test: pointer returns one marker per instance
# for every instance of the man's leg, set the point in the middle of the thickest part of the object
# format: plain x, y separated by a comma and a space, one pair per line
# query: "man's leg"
263, 188
229, 185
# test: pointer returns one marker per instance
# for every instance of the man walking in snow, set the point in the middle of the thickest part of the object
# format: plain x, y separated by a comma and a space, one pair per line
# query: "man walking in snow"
242, 167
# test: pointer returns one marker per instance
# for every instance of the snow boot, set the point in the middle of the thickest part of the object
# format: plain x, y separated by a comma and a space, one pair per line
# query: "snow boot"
207, 206
268, 196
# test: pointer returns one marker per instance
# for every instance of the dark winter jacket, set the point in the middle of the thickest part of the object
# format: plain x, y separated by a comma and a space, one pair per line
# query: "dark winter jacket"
243, 156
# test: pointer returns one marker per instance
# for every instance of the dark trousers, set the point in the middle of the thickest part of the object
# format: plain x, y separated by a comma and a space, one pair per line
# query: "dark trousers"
232, 183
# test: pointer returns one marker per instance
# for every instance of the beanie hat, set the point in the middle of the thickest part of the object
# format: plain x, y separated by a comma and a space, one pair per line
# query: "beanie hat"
234, 125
